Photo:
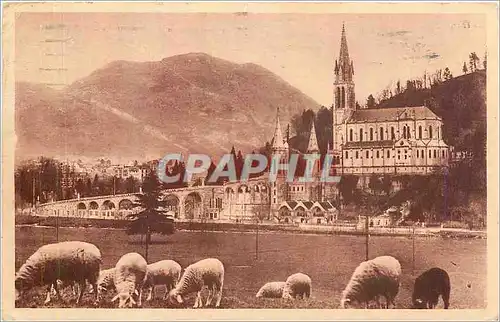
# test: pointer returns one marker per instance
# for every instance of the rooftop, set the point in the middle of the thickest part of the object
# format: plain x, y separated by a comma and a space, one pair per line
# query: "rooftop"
392, 114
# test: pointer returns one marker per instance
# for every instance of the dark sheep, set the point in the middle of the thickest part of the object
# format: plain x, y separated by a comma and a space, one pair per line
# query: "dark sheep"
429, 286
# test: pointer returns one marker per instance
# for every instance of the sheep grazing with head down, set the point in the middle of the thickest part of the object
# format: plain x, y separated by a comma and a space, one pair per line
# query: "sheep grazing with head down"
105, 282
297, 285
206, 272
165, 272
429, 286
271, 290
371, 280
62, 285
130, 275
71, 261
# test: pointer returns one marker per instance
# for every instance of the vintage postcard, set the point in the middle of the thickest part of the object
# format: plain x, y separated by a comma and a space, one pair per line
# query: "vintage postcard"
245, 161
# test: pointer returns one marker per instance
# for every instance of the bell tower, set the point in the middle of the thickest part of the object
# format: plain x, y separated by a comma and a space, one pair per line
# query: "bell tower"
344, 101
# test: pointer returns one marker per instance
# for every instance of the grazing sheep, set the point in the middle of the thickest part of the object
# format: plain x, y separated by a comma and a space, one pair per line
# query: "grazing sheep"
165, 272
371, 280
429, 286
71, 261
105, 282
75, 287
61, 285
209, 272
129, 278
297, 285
271, 290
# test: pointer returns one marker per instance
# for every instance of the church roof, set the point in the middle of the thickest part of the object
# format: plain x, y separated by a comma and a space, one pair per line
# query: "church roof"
326, 205
278, 142
391, 114
313, 141
369, 144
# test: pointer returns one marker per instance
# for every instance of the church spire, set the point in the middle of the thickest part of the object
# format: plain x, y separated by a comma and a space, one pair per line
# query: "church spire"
345, 68
313, 140
278, 143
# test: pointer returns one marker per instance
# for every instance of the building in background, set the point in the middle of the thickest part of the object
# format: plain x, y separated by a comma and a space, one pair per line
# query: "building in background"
399, 140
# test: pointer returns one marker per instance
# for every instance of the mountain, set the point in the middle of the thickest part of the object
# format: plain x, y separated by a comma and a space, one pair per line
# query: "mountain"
191, 102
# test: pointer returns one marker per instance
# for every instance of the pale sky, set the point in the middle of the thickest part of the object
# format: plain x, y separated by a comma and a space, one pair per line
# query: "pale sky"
301, 48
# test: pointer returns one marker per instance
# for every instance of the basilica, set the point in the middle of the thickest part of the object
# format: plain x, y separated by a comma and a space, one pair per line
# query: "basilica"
365, 141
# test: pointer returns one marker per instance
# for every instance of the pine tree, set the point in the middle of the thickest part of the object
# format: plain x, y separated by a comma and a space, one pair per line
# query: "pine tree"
239, 164
370, 102
151, 218
447, 74
464, 69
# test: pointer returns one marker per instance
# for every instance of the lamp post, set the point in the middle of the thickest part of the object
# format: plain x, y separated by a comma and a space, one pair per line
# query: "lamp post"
367, 236
413, 251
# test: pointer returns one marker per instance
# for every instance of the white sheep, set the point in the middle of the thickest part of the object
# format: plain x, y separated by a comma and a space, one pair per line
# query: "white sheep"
371, 280
62, 285
71, 261
165, 272
105, 282
206, 272
75, 287
130, 275
298, 284
271, 290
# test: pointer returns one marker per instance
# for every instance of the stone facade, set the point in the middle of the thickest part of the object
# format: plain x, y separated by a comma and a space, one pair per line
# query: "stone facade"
400, 140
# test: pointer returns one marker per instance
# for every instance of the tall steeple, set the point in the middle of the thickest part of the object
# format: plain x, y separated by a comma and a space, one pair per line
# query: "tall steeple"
278, 143
313, 141
345, 65
344, 68
344, 100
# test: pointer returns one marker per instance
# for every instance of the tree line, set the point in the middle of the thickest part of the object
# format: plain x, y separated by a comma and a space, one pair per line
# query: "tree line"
426, 81
46, 179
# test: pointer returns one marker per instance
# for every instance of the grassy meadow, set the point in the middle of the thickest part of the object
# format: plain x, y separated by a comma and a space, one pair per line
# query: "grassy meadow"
328, 259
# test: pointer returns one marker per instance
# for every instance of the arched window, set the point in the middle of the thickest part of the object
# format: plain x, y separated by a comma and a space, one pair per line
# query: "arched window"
393, 134
417, 154
367, 154
404, 132
435, 154
357, 155
388, 154
360, 135
381, 135
378, 155
371, 134
430, 154
408, 135
430, 132
437, 131
346, 154
343, 97
350, 135
422, 154
337, 98
420, 131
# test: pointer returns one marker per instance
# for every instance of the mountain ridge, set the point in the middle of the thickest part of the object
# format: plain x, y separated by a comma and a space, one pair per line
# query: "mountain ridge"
194, 100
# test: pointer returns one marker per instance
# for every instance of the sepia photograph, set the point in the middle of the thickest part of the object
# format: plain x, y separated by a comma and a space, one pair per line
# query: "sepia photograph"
230, 156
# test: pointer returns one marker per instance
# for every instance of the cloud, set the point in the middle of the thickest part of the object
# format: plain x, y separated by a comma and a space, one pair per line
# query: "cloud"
432, 55
398, 33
